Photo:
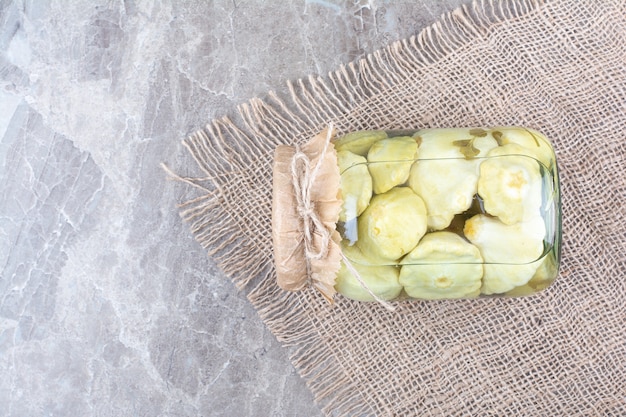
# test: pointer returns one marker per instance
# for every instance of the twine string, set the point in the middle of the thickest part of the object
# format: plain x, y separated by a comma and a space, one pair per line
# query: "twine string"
303, 180
358, 277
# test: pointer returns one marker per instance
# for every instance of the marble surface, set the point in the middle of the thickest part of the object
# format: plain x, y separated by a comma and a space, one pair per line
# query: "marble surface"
108, 307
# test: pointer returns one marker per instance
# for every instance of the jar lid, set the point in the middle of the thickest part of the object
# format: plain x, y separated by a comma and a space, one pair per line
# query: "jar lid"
305, 210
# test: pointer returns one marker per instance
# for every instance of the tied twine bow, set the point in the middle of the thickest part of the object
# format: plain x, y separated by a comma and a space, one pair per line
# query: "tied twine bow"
303, 180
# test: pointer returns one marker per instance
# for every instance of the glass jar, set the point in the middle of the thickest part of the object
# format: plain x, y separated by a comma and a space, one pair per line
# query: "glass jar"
447, 213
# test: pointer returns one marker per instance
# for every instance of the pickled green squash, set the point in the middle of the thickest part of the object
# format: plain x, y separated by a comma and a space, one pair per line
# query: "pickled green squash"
359, 142
390, 162
356, 185
382, 280
392, 225
443, 265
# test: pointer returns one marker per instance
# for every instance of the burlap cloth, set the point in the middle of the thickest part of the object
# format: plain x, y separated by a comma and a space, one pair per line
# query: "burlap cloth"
559, 67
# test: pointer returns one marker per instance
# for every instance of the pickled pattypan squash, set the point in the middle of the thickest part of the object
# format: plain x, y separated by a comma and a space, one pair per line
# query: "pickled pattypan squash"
359, 142
356, 185
382, 280
446, 174
511, 252
510, 184
443, 265
392, 225
390, 161
534, 142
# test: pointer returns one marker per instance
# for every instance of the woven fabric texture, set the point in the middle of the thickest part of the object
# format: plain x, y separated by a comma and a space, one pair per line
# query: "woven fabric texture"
556, 66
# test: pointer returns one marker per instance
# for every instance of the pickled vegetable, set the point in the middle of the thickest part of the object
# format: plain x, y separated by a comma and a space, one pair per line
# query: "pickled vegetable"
545, 274
446, 174
530, 140
392, 225
510, 184
382, 280
359, 142
356, 185
512, 252
443, 265
390, 162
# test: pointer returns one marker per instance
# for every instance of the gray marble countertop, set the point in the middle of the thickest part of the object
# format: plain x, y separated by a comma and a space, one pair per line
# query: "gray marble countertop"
108, 306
